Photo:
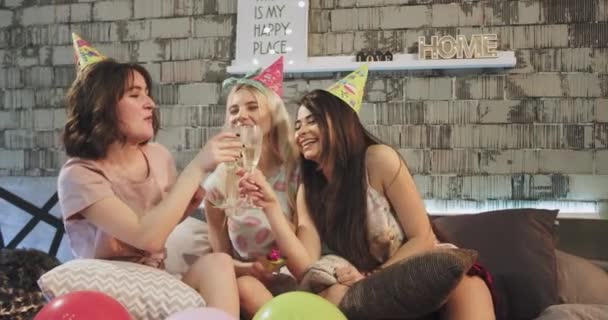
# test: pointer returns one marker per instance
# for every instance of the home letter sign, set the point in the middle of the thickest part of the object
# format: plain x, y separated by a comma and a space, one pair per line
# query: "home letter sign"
448, 47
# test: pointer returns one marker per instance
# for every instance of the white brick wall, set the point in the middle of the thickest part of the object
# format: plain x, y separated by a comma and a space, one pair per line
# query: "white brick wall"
457, 14
9, 120
181, 71
11, 159
199, 93
217, 26
601, 108
170, 28
112, 10
38, 15
147, 51
152, 9
137, 30
428, 88
565, 161
227, 6
400, 17
19, 98
6, 18
80, 12
561, 110
601, 162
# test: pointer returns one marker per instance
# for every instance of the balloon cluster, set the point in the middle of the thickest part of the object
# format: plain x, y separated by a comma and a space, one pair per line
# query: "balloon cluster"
93, 305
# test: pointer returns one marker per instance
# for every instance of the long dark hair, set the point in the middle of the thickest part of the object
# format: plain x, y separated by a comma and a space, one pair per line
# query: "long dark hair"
92, 123
338, 206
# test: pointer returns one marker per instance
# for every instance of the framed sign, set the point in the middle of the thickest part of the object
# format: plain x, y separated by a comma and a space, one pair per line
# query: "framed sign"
267, 28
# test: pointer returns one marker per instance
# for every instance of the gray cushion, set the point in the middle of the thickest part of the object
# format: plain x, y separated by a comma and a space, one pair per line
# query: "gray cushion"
517, 247
580, 281
575, 312
410, 288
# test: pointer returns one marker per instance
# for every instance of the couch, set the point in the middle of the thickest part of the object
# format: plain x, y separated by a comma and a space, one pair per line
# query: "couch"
544, 268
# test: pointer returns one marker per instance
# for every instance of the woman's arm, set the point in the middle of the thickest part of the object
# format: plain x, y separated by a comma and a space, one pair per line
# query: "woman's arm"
218, 229
195, 202
150, 231
389, 174
300, 248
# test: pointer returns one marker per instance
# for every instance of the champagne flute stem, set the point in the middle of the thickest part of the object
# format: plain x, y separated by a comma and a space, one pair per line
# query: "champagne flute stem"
250, 170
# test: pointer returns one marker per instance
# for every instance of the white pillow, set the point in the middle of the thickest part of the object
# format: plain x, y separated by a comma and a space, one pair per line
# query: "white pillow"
146, 292
186, 243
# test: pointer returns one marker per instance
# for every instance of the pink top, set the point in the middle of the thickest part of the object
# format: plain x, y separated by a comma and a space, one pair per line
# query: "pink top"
84, 182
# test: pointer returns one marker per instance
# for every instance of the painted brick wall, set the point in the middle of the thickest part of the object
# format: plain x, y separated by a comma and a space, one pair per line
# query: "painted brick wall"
475, 139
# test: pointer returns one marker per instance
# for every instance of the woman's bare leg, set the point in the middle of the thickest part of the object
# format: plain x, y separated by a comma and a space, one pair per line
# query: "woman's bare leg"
253, 294
212, 275
470, 300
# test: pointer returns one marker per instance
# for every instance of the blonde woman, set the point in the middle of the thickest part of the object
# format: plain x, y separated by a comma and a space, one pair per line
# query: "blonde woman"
246, 233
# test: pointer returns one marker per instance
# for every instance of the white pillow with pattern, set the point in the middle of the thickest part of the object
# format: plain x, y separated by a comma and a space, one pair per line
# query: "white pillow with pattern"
146, 292
186, 243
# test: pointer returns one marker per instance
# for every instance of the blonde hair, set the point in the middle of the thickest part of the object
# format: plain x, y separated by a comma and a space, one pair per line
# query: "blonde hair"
282, 141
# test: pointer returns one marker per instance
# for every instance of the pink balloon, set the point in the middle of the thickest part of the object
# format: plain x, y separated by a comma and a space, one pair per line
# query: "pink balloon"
201, 314
83, 305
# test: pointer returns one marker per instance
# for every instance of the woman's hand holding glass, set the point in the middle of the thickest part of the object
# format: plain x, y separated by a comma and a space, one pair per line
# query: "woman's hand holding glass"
223, 194
224, 147
255, 186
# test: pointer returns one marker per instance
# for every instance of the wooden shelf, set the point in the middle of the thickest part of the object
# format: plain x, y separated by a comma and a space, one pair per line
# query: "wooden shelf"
505, 59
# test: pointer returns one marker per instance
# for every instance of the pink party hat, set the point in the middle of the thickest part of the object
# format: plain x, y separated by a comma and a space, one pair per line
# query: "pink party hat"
272, 77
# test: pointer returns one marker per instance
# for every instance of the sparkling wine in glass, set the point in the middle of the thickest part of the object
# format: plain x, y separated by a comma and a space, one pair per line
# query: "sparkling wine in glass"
222, 185
252, 138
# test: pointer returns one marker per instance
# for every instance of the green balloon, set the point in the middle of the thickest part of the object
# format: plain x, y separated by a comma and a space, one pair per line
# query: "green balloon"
299, 305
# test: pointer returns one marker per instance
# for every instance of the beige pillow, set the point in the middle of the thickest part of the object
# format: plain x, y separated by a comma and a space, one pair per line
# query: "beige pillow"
147, 293
410, 288
186, 243
575, 312
321, 274
580, 281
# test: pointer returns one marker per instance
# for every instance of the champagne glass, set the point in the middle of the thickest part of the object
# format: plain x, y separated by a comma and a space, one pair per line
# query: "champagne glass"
252, 138
222, 185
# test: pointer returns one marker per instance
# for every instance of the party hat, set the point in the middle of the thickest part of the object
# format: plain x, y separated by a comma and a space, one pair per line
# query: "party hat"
85, 54
271, 78
350, 88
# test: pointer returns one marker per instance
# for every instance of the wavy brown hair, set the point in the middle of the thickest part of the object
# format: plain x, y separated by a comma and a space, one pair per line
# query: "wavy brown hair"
92, 122
338, 206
